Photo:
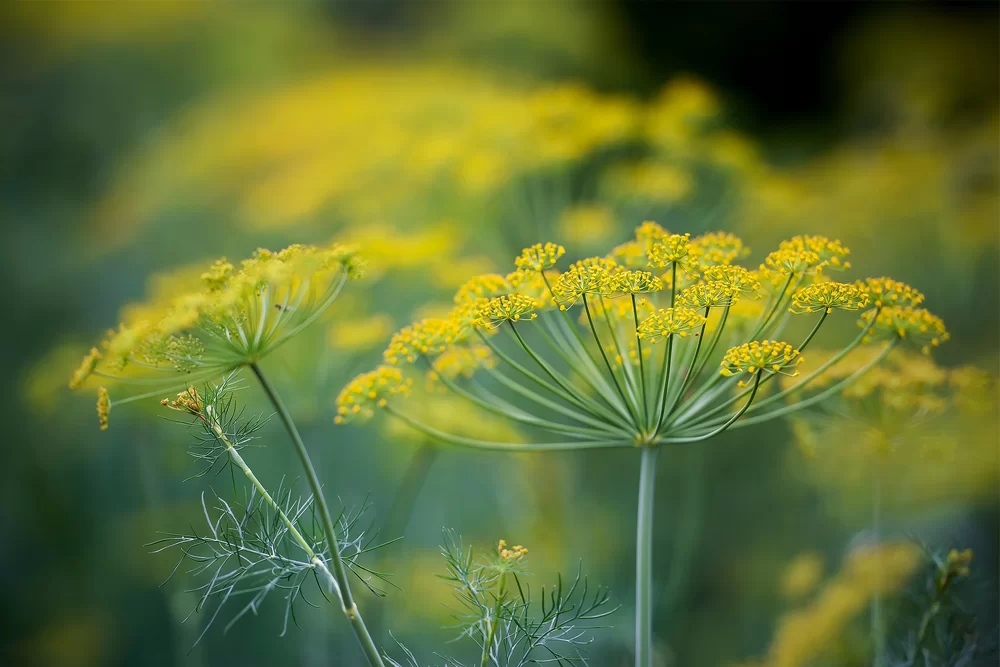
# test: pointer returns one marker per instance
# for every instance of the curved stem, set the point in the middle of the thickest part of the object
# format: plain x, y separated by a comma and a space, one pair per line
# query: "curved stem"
569, 323
551, 405
348, 606
664, 382
822, 396
686, 379
715, 342
686, 416
604, 355
570, 392
473, 443
583, 366
293, 530
774, 308
514, 413
642, 364
644, 559
628, 375
557, 391
712, 434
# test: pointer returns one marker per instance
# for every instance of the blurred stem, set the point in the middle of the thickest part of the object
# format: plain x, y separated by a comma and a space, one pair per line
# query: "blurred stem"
688, 532
644, 560
347, 603
878, 611
414, 478
401, 510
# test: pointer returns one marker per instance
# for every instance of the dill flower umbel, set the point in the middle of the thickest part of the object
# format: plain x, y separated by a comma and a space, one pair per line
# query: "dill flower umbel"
228, 318
669, 322
827, 296
767, 355
670, 345
369, 391
914, 325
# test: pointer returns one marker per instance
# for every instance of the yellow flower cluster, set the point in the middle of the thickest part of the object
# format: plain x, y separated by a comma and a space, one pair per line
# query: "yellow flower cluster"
670, 322
368, 391
956, 565
831, 253
424, 338
975, 390
768, 355
506, 308
889, 292
791, 261
188, 401
718, 249
828, 296
463, 360
589, 276
635, 282
539, 257
511, 555
916, 325
805, 634
231, 317
737, 277
710, 294
86, 369
485, 286
673, 249
103, 407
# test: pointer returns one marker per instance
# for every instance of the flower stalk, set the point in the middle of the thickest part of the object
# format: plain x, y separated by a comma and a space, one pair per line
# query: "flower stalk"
347, 602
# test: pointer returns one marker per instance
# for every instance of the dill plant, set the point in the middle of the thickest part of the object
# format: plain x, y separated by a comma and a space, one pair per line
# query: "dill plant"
232, 318
495, 610
664, 341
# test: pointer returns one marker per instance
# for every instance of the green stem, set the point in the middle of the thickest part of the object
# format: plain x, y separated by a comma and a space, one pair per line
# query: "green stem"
514, 413
504, 446
628, 375
717, 431
664, 382
611, 370
774, 308
715, 342
686, 379
705, 417
644, 559
822, 396
491, 634
521, 390
642, 364
348, 606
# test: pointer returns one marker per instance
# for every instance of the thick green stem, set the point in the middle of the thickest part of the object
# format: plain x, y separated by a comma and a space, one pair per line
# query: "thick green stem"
644, 560
348, 606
